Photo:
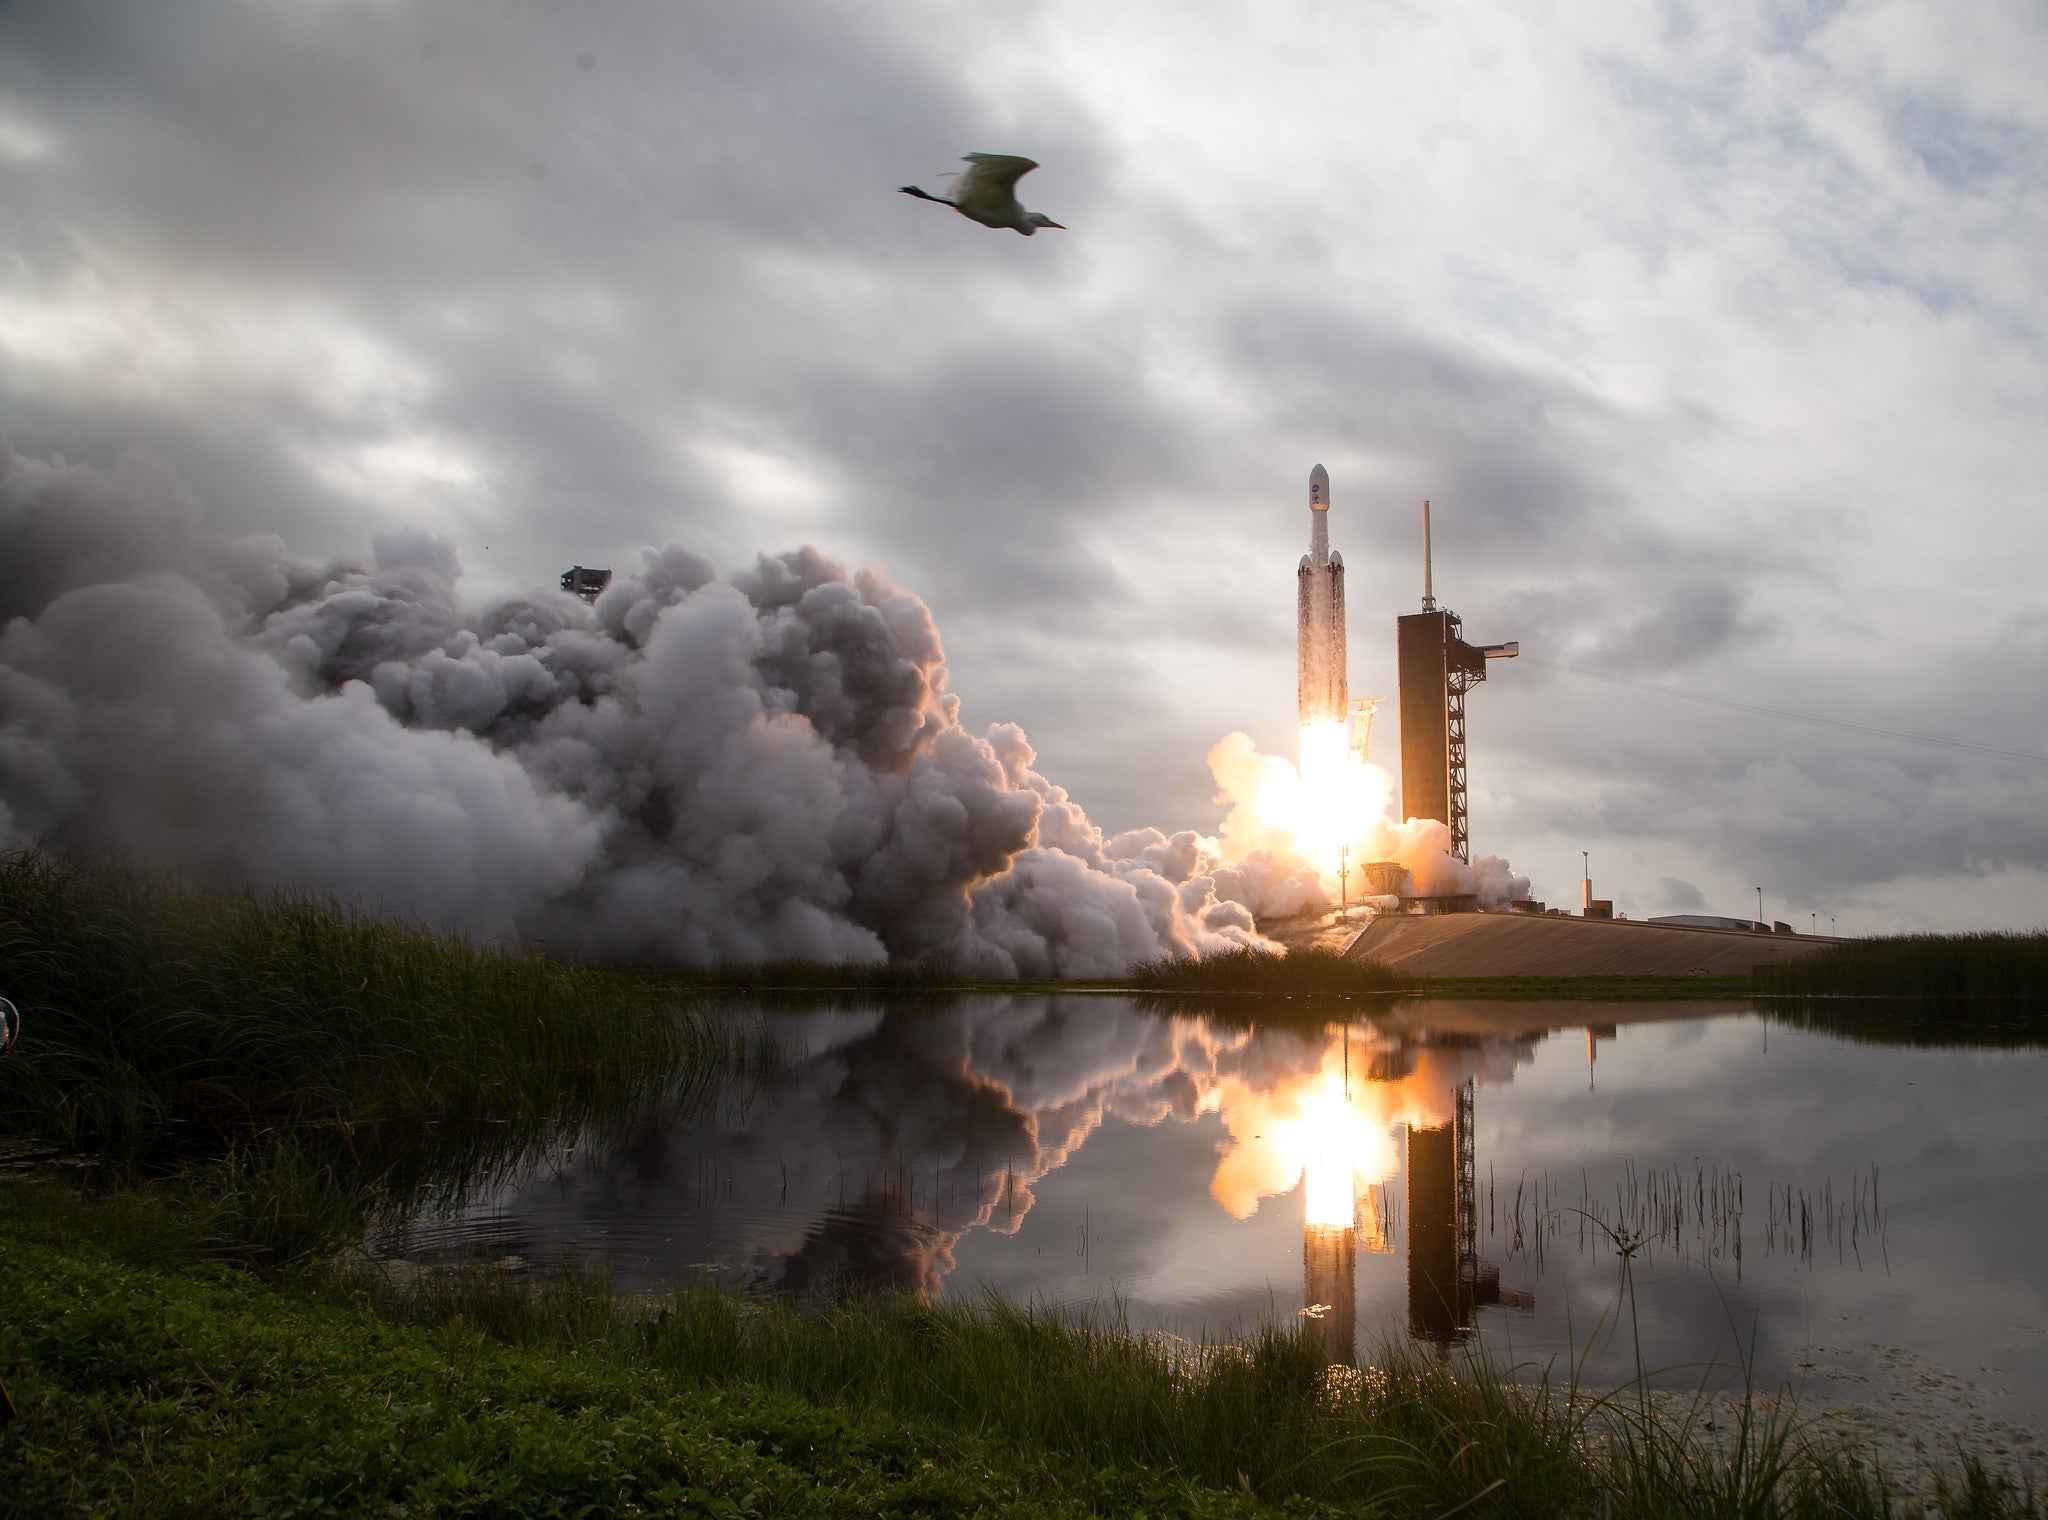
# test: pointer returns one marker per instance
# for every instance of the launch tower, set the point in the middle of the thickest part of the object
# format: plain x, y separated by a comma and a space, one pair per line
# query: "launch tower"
1437, 667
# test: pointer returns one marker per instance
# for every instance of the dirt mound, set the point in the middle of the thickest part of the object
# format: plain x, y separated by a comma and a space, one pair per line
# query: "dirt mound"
1519, 944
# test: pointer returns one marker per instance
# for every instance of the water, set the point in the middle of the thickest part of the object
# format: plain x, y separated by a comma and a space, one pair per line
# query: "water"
1860, 1221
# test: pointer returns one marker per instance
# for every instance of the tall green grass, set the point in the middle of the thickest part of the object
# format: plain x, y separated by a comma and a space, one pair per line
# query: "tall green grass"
1940, 967
1303, 971
1408, 1435
310, 1053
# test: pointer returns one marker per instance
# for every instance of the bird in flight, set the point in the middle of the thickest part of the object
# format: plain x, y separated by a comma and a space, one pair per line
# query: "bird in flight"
987, 193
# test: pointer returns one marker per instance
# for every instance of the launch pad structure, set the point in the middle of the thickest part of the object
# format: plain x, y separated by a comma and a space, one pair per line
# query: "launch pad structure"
1436, 667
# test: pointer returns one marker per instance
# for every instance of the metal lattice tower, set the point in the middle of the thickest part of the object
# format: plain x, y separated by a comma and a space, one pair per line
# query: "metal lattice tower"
1459, 678
1437, 667
1468, 1204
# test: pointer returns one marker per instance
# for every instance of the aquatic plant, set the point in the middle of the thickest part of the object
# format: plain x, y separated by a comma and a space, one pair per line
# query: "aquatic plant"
309, 1050
1951, 968
1303, 971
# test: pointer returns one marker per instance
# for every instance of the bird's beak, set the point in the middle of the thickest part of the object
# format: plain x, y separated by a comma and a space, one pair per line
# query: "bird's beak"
1061, 225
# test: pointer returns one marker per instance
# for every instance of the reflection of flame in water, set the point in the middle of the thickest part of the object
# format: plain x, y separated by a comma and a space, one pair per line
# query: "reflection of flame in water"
1341, 1148
1313, 1127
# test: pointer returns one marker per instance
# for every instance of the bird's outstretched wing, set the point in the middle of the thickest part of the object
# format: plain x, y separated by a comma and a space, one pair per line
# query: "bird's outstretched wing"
993, 174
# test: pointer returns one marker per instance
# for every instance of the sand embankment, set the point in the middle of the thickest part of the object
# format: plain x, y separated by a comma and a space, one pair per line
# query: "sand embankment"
1520, 944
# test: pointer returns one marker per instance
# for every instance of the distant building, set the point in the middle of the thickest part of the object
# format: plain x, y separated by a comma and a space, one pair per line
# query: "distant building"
1704, 921
588, 584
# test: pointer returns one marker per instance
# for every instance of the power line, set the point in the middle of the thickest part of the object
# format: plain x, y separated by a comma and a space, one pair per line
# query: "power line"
1815, 719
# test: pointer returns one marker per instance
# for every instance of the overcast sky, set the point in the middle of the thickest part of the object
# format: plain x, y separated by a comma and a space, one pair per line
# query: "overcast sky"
1715, 333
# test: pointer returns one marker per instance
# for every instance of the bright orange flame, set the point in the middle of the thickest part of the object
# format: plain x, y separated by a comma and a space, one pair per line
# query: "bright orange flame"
1323, 821
1333, 806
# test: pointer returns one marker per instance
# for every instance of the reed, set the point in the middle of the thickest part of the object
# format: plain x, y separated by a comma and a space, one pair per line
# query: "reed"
1408, 1434
301, 1054
1948, 968
1303, 971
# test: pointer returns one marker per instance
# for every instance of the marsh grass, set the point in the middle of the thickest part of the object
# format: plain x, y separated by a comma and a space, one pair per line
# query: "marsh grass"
299, 1057
1263, 1414
1410, 1434
1958, 969
1303, 971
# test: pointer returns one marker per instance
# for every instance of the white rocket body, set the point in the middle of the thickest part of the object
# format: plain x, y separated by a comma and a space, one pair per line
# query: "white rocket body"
1319, 614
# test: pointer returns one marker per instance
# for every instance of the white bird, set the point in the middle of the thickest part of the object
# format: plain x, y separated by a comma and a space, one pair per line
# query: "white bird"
987, 193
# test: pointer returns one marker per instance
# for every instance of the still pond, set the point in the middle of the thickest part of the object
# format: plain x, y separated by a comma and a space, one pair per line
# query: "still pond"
1856, 1219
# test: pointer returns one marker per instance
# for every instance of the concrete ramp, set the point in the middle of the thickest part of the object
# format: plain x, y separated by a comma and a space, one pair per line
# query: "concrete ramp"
1527, 944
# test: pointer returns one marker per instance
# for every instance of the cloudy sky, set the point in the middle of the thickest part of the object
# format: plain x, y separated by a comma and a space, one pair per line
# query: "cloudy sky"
1714, 332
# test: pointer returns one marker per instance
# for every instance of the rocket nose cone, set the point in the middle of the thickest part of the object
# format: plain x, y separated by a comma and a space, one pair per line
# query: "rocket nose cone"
1319, 487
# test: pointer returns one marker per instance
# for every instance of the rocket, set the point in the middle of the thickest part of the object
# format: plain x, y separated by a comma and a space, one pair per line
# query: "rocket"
1319, 614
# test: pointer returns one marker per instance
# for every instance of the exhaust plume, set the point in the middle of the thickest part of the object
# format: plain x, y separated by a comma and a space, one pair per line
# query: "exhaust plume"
697, 768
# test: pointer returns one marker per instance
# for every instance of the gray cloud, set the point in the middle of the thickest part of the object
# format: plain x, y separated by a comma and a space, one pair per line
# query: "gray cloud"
1717, 343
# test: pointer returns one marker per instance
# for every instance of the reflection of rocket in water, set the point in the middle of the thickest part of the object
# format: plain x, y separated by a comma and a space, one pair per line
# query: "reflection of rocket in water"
1329, 1275
1329, 1288
1319, 615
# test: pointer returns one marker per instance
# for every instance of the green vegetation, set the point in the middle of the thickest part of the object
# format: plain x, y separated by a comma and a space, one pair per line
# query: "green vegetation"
1305, 971
154, 1386
297, 1060
254, 1077
147, 1389
1918, 989
1959, 968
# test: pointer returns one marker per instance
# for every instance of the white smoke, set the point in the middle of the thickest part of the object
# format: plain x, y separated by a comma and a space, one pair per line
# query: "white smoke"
698, 768
1259, 860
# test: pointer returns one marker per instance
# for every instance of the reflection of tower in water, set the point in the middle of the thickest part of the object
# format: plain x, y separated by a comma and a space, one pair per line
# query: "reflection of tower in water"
1447, 1281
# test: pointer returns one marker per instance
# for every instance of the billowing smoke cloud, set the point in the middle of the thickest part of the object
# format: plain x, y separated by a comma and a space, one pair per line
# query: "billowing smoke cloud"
697, 768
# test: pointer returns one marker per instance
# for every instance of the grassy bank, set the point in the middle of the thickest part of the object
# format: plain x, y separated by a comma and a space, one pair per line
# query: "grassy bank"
148, 1385
1931, 990
255, 1076
1255, 971
152, 1389
1958, 968
295, 1058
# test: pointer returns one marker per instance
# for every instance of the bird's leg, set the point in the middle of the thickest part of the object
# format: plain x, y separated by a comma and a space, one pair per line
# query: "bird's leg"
921, 195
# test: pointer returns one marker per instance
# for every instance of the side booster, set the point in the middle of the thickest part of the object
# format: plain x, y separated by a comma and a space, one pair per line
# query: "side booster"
1319, 614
